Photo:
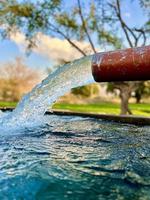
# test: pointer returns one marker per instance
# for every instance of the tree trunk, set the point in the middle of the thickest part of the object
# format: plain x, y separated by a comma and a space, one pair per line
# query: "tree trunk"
138, 99
125, 95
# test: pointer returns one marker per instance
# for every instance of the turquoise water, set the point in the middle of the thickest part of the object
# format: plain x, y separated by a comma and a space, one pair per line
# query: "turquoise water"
74, 158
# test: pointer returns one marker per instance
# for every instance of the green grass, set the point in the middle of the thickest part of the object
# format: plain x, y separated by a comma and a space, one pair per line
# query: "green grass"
7, 104
104, 108
101, 108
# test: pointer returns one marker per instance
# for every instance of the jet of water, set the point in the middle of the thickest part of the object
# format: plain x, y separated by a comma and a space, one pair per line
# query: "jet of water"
33, 105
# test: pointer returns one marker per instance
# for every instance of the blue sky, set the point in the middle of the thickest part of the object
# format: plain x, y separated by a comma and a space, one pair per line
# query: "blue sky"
9, 50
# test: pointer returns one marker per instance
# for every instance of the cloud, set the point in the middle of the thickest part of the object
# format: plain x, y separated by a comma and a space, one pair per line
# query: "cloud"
53, 48
20, 39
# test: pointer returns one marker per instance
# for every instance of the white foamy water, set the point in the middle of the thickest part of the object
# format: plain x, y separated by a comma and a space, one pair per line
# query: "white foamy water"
32, 107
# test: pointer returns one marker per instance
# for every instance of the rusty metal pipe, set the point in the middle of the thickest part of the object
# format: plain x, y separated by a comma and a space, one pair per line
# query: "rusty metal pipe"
122, 65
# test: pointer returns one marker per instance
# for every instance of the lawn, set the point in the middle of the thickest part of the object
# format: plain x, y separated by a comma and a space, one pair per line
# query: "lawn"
104, 108
101, 108
4, 104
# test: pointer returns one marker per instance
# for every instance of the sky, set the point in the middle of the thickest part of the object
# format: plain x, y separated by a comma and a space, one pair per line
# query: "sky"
42, 59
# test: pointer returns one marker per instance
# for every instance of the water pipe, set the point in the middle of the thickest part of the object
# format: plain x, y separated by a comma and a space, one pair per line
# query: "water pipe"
131, 64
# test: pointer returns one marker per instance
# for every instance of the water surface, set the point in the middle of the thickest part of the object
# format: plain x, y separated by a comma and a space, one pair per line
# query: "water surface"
74, 158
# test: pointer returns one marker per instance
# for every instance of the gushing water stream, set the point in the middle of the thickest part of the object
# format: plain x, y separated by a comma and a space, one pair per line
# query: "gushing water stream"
33, 105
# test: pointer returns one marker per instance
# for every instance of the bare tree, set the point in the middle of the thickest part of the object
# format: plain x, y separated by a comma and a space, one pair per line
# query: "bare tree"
16, 79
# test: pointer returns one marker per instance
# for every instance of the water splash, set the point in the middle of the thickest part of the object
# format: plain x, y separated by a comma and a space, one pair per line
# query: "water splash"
33, 105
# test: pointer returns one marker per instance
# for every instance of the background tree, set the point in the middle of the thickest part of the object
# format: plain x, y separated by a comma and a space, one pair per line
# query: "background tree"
16, 79
91, 90
135, 36
98, 22
143, 90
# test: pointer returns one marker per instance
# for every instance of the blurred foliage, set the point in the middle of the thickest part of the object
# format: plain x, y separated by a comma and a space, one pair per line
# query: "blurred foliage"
87, 91
92, 19
50, 17
29, 17
98, 18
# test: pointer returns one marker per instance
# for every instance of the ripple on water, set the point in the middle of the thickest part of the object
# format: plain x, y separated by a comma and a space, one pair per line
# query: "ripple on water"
75, 158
